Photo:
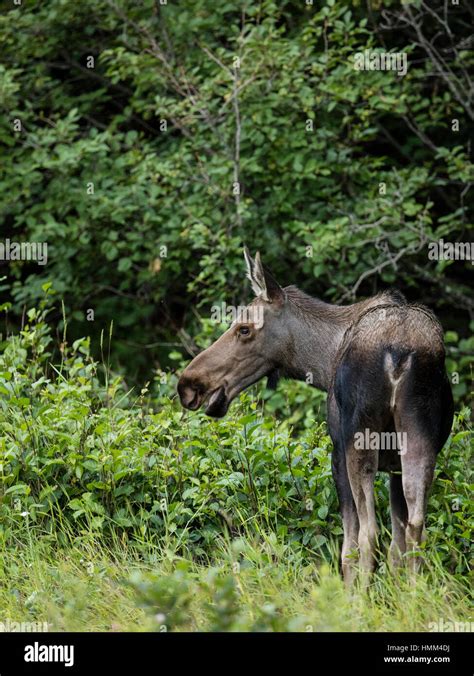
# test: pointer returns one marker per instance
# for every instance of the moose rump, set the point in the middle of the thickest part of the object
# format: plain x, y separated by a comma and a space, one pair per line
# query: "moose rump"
390, 408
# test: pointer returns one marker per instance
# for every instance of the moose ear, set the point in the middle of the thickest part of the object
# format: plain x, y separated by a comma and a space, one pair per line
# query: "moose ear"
263, 283
250, 264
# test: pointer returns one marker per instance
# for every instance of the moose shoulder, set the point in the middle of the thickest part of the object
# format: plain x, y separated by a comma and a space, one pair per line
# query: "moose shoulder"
390, 406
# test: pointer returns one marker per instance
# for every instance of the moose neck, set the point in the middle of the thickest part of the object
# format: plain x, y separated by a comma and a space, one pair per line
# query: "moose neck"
317, 330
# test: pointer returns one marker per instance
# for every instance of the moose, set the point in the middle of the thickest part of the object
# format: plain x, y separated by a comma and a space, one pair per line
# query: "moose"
381, 362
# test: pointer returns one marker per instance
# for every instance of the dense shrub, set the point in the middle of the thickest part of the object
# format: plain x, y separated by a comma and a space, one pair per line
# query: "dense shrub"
159, 240
77, 445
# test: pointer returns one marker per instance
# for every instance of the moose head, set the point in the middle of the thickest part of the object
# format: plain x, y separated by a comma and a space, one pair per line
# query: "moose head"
254, 346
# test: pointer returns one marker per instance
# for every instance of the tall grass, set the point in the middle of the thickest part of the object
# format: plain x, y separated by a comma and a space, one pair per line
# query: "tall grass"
251, 583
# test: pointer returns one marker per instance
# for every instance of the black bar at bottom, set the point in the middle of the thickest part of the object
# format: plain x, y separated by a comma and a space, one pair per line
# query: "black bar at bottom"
143, 653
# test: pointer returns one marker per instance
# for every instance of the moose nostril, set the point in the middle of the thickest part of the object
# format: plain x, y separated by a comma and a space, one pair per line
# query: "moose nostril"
189, 393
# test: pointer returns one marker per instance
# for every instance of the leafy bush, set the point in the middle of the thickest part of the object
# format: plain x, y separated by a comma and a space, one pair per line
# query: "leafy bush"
152, 125
77, 446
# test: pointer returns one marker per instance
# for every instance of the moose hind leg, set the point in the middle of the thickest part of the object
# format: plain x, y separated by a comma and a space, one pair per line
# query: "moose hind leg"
399, 518
361, 467
423, 414
418, 462
350, 520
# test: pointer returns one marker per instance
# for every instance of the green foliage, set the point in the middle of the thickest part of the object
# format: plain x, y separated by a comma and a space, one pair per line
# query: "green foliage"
168, 597
98, 456
153, 125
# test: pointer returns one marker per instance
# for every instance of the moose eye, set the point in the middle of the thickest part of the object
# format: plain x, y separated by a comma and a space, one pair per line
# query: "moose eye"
244, 331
